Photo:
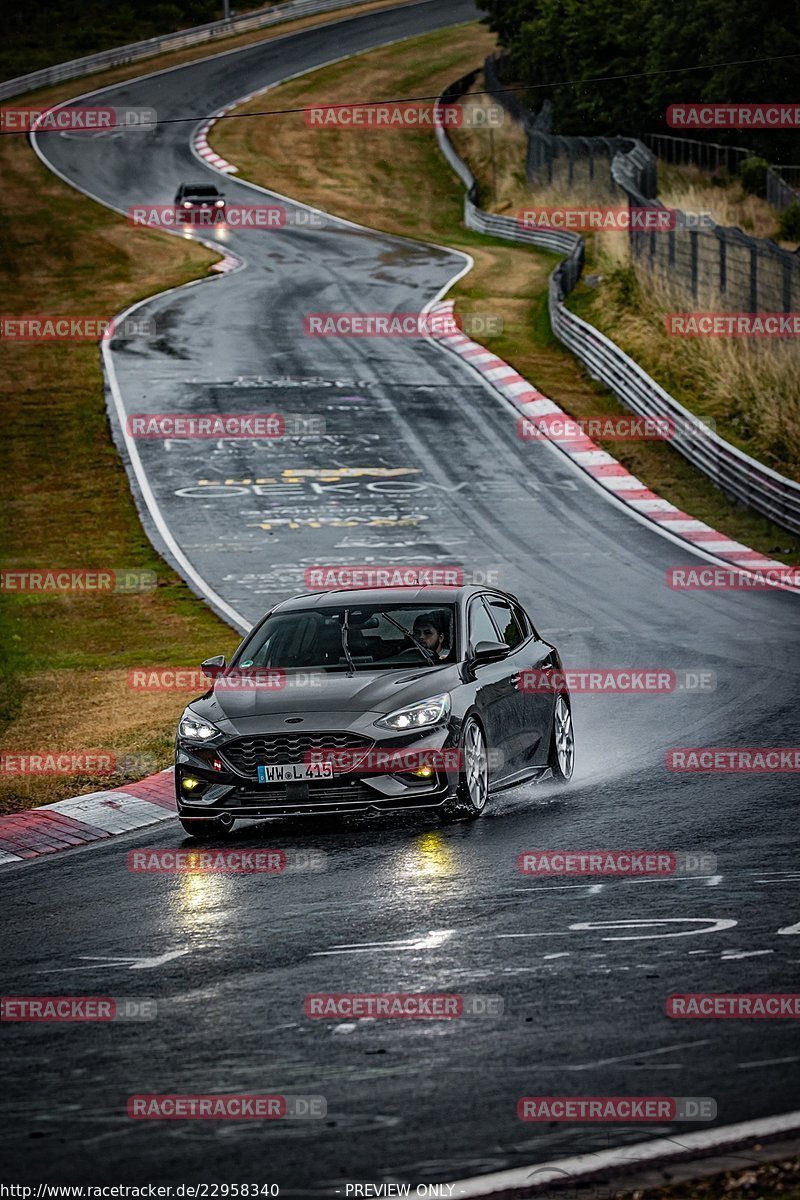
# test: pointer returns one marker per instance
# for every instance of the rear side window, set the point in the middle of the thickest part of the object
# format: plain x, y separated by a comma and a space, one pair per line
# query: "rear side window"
506, 622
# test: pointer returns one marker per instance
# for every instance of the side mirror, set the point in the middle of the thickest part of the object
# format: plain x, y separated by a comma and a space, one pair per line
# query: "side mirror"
490, 651
213, 666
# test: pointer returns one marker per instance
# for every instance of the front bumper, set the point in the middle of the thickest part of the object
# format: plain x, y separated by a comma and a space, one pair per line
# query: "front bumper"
222, 789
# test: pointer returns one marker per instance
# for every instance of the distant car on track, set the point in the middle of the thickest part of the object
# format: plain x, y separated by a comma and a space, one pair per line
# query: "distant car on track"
199, 203
374, 699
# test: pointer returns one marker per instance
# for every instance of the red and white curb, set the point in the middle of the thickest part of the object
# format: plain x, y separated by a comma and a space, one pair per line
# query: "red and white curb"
591, 458
229, 261
84, 819
200, 143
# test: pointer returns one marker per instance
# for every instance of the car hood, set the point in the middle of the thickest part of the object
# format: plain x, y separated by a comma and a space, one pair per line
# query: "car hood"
336, 693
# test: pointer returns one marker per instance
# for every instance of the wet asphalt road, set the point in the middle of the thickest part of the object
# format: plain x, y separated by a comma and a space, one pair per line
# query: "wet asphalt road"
419, 464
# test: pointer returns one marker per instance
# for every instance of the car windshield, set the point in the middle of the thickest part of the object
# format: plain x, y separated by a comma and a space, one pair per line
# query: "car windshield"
201, 191
367, 637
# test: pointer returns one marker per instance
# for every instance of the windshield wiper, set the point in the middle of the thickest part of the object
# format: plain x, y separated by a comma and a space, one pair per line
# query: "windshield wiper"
423, 649
351, 666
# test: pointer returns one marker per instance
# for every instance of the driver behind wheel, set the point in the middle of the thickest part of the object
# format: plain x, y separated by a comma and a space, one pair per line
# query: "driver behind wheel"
431, 630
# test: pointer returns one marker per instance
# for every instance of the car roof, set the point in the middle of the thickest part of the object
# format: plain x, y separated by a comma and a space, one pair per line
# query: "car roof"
417, 596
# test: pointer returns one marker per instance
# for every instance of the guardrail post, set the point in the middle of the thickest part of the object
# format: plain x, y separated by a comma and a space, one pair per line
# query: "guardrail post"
723, 266
693, 260
753, 279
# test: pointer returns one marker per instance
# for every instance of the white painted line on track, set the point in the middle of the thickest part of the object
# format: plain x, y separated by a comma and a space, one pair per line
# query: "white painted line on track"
540, 1176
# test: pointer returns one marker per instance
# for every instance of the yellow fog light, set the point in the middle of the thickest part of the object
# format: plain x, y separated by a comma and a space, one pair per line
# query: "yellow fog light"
190, 784
423, 772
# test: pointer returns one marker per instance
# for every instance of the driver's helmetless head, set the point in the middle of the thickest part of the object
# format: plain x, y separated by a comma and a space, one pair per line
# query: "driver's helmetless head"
429, 630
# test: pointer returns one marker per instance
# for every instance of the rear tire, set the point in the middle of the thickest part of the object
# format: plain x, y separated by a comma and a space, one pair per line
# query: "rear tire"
561, 759
473, 780
206, 829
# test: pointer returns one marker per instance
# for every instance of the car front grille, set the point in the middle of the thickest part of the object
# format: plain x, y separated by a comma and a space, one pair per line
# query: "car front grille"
246, 754
316, 792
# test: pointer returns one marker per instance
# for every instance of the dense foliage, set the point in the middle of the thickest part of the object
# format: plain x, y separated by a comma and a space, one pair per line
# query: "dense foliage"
42, 32
655, 43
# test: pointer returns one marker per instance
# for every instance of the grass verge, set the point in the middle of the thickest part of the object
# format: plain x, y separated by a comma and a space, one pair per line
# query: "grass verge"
397, 181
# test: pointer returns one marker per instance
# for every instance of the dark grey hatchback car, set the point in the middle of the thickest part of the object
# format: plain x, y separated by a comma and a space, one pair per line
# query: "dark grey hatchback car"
379, 699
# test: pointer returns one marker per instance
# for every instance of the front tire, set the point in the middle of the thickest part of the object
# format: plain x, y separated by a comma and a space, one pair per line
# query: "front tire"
561, 759
205, 829
473, 780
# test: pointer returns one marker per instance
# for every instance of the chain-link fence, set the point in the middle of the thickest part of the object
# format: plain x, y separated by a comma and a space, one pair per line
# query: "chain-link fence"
783, 183
711, 263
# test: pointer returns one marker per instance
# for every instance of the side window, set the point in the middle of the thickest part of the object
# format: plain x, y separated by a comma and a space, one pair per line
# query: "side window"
481, 628
523, 620
506, 622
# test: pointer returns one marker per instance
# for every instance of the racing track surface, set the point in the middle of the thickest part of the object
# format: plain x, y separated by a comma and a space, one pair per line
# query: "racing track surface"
405, 904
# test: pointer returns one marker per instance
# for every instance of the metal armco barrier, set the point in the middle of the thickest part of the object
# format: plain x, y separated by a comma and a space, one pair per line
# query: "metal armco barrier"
730, 469
179, 40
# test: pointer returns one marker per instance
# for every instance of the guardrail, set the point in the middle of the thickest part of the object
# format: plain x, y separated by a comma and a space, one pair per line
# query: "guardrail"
182, 38
730, 469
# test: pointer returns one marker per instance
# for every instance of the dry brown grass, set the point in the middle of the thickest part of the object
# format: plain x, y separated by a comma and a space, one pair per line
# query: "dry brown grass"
749, 386
690, 189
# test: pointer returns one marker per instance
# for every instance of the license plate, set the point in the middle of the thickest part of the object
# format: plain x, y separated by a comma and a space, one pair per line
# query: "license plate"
295, 772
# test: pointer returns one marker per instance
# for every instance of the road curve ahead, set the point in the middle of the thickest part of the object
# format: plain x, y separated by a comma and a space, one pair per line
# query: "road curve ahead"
419, 464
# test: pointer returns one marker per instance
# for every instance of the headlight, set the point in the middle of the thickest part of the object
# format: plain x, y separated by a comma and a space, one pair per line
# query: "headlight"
219, 203
196, 728
187, 204
419, 716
